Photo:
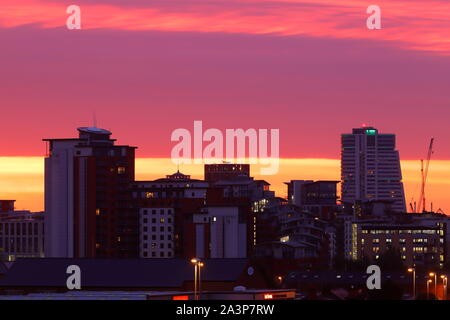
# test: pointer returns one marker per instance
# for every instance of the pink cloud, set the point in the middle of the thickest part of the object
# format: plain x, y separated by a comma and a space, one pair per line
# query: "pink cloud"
414, 25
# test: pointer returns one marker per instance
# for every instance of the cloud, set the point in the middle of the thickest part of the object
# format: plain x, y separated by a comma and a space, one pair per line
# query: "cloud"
414, 25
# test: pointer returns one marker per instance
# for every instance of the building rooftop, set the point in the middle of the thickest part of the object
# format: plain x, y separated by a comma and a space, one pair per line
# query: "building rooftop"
118, 273
94, 130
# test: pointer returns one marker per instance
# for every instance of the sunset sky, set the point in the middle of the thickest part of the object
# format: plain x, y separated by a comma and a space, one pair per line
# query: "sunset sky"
310, 68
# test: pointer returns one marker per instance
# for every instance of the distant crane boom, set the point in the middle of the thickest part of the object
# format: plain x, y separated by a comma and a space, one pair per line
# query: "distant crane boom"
424, 172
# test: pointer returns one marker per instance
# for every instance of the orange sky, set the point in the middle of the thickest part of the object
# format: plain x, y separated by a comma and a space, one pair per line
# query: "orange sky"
21, 178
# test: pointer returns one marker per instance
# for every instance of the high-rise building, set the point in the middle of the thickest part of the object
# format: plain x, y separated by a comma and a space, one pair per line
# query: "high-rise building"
370, 168
87, 197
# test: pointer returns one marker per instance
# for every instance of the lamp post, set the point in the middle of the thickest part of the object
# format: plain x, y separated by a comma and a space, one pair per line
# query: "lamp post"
444, 286
413, 270
200, 265
428, 289
433, 274
197, 279
194, 261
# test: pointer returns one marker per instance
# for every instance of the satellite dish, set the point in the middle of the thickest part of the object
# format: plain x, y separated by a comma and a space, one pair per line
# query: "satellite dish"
239, 288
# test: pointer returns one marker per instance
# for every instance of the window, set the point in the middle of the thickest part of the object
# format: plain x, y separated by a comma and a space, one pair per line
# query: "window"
161, 220
149, 195
121, 170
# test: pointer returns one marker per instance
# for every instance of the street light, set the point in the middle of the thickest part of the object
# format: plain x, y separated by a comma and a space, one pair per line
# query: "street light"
413, 270
197, 280
428, 289
444, 286
432, 274
200, 265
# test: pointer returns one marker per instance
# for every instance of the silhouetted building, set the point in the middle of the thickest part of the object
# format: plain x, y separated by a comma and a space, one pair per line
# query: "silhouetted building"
6, 205
87, 198
317, 197
166, 208
370, 168
21, 233
225, 171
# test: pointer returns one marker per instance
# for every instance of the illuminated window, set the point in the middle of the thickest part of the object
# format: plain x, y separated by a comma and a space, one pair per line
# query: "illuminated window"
97, 245
149, 195
162, 220
97, 212
121, 170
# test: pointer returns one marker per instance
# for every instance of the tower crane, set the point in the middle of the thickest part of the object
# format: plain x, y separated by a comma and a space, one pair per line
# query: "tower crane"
424, 173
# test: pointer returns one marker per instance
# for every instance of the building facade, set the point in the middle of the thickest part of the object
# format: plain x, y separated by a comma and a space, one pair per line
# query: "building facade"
166, 207
370, 168
21, 233
414, 243
87, 198
225, 171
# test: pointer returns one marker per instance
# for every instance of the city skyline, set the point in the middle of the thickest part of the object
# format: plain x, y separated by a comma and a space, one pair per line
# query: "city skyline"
224, 150
293, 65
27, 186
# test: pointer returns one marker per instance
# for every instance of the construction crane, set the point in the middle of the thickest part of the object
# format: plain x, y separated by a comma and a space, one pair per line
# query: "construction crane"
424, 173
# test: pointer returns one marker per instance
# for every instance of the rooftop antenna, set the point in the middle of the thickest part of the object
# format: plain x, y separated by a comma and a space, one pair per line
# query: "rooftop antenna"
94, 118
